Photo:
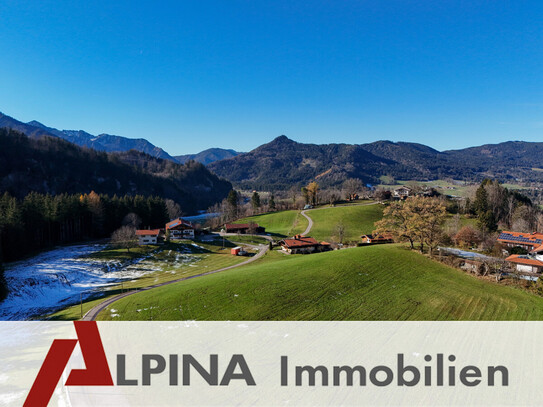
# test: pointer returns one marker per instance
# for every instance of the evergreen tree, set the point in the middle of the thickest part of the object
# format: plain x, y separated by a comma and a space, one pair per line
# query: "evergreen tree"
255, 201
487, 222
480, 204
272, 203
232, 201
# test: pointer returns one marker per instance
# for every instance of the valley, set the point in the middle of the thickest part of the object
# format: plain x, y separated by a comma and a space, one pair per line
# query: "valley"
381, 282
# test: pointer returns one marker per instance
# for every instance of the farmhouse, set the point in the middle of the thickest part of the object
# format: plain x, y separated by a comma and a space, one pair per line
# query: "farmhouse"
148, 236
377, 239
244, 228
528, 241
303, 244
527, 263
180, 229
532, 242
402, 192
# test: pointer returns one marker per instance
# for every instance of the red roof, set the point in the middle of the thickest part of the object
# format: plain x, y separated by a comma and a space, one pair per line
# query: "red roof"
179, 222
521, 259
152, 232
300, 241
236, 226
530, 239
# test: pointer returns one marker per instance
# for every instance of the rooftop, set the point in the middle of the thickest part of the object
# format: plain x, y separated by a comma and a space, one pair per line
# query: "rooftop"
523, 259
532, 239
146, 232
300, 241
178, 222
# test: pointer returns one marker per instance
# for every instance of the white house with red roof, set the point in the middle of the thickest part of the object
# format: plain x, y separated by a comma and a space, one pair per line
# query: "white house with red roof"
148, 236
532, 242
180, 229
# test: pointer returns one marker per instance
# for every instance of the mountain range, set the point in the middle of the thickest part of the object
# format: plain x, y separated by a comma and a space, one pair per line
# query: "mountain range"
284, 162
51, 165
110, 143
102, 142
207, 156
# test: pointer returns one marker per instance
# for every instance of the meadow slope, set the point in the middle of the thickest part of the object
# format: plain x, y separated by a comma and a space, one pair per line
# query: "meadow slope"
385, 282
279, 224
356, 219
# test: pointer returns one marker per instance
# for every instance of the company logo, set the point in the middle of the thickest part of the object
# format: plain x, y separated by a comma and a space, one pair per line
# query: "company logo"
97, 371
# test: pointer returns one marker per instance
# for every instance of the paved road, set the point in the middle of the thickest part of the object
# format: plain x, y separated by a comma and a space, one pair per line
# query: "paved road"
94, 311
310, 225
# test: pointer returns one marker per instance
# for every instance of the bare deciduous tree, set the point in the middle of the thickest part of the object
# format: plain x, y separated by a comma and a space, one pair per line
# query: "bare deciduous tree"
339, 232
352, 187
173, 209
132, 220
125, 237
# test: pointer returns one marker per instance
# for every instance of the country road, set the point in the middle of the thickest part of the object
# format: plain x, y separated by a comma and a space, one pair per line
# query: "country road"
94, 311
310, 225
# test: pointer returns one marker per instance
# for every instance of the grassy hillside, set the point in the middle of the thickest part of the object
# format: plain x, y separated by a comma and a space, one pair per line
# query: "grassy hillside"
384, 282
160, 264
280, 224
357, 220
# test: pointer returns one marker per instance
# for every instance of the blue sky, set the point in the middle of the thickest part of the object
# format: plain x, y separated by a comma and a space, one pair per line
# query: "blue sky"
236, 74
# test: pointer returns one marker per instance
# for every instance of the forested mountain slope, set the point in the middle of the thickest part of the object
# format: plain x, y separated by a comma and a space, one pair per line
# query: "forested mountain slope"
52, 165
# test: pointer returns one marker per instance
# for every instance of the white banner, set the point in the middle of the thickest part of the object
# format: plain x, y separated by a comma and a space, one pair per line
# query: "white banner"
274, 363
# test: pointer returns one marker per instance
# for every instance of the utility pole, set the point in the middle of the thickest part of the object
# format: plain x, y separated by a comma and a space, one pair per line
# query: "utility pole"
81, 303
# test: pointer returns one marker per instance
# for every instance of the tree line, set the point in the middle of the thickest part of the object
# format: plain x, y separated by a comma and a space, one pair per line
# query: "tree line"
40, 221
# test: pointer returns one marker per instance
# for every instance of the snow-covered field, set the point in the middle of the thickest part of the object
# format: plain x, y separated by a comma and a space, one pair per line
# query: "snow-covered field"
57, 278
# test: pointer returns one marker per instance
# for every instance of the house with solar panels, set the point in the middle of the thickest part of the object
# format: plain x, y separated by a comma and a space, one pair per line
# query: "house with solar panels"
528, 241
531, 263
180, 229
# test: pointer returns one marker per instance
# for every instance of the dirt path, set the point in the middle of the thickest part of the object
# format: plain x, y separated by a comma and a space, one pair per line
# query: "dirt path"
94, 311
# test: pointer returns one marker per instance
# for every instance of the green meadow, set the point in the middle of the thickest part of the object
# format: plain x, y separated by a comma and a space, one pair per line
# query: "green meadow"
279, 224
357, 220
386, 282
